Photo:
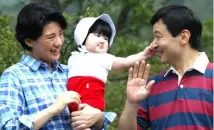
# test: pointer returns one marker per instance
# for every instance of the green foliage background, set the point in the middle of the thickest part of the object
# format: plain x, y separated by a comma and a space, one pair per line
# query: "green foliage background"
134, 33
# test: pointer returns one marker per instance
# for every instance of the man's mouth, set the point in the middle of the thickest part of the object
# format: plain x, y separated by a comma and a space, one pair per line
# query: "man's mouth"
159, 53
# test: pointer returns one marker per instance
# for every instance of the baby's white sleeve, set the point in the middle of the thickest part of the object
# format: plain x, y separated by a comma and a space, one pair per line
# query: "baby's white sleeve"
106, 60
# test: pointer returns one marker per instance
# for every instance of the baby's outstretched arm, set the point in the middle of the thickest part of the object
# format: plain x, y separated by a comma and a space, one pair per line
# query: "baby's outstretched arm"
125, 62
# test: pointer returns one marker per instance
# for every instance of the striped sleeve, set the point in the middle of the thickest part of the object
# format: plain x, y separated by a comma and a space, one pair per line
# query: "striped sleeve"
143, 122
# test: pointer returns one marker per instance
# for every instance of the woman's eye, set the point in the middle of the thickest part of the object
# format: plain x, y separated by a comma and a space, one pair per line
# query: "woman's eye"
50, 37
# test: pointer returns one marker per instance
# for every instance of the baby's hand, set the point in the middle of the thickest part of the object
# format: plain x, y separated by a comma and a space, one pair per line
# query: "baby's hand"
149, 51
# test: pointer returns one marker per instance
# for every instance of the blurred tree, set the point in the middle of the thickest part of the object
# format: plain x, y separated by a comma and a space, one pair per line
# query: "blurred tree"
10, 49
207, 38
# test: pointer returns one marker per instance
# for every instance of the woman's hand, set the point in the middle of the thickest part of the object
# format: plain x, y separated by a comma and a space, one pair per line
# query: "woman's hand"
63, 99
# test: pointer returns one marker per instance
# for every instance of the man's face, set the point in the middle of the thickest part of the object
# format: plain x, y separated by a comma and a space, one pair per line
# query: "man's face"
167, 46
47, 47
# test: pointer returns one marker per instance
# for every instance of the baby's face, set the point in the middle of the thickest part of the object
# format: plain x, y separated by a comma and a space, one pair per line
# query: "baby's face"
97, 43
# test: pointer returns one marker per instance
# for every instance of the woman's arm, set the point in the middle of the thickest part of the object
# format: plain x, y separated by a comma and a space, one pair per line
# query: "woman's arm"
12, 102
62, 100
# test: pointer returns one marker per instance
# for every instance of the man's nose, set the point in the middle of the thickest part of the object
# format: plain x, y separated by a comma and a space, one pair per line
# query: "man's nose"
154, 44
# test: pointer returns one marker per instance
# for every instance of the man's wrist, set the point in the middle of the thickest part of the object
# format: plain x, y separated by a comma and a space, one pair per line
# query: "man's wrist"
130, 105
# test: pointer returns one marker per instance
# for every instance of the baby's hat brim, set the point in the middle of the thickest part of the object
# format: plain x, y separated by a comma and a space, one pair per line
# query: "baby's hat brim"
84, 25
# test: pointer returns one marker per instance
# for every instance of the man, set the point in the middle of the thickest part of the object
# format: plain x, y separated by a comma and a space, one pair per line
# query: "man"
33, 92
180, 98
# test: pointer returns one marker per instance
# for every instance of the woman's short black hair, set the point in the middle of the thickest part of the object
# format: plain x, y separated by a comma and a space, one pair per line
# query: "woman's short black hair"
32, 18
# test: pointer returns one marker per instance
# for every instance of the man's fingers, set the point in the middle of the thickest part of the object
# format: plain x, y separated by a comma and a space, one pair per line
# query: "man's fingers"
141, 69
140, 73
130, 73
146, 72
149, 85
136, 70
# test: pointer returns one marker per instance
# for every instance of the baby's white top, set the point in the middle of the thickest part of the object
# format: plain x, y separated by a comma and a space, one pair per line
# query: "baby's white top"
90, 64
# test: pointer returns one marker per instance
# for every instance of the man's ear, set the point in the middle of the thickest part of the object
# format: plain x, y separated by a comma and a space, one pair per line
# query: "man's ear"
184, 36
29, 42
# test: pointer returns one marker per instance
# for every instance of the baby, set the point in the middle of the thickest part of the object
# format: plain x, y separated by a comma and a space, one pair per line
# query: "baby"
89, 66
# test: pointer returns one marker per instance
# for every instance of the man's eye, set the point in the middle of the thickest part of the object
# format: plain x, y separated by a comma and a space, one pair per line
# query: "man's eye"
158, 37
